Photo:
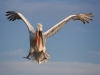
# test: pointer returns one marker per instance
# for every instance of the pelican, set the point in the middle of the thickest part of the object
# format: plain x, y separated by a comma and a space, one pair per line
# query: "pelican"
38, 38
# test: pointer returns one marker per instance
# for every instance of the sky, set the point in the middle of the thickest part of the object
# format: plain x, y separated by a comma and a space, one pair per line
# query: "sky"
74, 50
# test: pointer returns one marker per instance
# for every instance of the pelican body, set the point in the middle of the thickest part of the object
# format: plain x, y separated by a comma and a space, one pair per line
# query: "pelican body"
38, 38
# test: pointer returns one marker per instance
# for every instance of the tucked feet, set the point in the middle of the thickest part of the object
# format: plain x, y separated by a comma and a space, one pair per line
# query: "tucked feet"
46, 57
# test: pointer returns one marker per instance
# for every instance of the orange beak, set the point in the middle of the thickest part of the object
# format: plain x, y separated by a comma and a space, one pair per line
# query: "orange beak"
39, 41
37, 38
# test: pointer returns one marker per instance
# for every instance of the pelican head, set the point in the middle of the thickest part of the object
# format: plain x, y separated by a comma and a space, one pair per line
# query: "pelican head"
39, 27
39, 37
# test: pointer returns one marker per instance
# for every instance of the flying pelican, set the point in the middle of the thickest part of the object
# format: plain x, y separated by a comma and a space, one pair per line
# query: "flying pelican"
38, 38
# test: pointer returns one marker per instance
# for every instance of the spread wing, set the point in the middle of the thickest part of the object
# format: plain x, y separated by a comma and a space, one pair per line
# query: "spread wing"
83, 17
12, 16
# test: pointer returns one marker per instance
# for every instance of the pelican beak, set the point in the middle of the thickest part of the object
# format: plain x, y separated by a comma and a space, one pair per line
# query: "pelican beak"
36, 39
39, 40
41, 37
40, 34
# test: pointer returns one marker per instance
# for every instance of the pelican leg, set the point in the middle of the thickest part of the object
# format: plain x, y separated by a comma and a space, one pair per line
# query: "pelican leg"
27, 56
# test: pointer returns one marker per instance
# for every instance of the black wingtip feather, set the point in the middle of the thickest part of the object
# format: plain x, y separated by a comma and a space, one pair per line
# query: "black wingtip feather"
10, 11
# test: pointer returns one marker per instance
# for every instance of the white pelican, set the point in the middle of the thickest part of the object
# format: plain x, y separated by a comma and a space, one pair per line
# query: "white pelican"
38, 38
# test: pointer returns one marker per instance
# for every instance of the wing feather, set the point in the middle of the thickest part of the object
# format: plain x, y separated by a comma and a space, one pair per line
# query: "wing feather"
83, 17
12, 16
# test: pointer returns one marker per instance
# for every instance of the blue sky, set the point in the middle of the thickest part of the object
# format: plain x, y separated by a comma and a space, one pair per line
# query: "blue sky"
74, 50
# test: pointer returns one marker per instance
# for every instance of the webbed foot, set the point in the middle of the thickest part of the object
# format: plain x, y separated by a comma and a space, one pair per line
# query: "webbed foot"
27, 58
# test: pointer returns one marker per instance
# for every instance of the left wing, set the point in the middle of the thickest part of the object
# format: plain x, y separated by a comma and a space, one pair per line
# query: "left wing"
12, 15
83, 17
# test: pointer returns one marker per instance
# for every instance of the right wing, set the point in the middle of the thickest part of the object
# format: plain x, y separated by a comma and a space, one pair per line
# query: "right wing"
12, 15
83, 17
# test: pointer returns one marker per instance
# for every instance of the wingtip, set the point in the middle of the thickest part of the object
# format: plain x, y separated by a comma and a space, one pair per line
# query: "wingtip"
10, 11
91, 14
88, 22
